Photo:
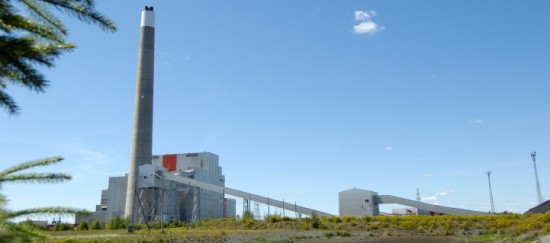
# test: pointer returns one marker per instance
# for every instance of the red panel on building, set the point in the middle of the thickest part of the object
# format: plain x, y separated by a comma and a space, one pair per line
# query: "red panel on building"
169, 161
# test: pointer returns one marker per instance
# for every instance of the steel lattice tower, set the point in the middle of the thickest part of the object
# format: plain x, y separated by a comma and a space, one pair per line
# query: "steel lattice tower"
539, 194
491, 192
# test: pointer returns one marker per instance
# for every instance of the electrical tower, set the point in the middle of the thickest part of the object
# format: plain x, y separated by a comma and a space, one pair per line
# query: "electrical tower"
417, 194
491, 192
539, 194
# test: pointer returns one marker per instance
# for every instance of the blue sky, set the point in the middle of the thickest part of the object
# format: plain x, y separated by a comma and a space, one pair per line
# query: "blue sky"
304, 99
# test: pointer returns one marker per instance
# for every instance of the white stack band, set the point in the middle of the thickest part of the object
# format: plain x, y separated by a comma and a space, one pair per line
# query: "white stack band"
147, 18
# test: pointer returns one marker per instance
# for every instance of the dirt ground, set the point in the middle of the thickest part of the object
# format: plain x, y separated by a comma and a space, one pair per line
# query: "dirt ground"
320, 236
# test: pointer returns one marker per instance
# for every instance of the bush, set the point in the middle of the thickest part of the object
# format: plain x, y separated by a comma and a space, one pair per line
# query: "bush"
349, 219
315, 222
83, 225
31, 224
140, 226
409, 225
95, 225
116, 222
274, 219
177, 224
248, 214
61, 227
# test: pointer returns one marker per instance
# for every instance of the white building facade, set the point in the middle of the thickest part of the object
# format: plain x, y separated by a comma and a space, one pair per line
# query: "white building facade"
158, 198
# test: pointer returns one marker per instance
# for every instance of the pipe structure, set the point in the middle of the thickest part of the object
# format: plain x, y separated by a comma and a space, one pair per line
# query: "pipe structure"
142, 132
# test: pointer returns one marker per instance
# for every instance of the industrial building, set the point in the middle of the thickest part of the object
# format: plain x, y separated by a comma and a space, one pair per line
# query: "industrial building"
358, 202
159, 198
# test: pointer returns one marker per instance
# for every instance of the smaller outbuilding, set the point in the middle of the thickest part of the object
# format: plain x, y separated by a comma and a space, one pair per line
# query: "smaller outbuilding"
541, 208
358, 203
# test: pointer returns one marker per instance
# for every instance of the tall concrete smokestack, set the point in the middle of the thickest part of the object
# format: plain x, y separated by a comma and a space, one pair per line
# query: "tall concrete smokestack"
142, 131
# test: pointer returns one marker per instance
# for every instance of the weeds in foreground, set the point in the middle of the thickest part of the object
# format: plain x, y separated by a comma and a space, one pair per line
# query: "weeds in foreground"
485, 228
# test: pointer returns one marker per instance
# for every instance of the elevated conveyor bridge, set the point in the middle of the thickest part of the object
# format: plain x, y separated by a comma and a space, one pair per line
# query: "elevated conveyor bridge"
387, 199
245, 195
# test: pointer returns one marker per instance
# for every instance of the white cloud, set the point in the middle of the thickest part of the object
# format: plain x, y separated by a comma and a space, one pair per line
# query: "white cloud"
435, 196
361, 16
366, 25
388, 148
476, 121
429, 198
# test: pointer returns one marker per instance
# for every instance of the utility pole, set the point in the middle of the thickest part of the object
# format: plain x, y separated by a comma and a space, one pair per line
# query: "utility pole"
539, 194
491, 192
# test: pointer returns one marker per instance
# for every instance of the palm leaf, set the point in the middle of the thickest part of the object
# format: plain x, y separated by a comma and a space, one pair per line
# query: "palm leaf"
47, 211
8, 103
36, 178
31, 164
84, 11
45, 15
25, 232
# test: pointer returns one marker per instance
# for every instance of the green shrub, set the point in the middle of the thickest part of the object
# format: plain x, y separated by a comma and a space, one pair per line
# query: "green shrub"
154, 225
248, 222
30, 223
409, 225
177, 224
315, 222
95, 225
248, 214
83, 225
62, 227
349, 219
366, 219
139, 226
116, 222
274, 219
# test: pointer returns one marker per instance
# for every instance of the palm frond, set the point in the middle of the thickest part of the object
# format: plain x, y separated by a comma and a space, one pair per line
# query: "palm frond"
47, 211
31, 164
49, 31
36, 178
8, 103
45, 15
84, 11
7, 10
25, 232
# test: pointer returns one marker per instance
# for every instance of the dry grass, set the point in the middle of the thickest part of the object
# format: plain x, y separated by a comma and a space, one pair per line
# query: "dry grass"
450, 228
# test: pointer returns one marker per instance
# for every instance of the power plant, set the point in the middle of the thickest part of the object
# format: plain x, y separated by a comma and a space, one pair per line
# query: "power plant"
190, 187
160, 197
